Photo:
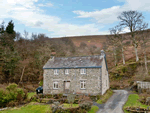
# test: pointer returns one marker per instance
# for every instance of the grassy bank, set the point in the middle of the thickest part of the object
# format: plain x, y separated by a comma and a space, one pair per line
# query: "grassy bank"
69, 105
105, 97
34, 107
94, 109
133, 101
31, 94
30, 108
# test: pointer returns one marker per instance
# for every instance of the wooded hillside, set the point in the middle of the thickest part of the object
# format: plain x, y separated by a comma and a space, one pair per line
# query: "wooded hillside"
22, 57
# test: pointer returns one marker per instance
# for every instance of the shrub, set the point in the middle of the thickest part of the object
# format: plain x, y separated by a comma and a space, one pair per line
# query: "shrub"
71, 98
86, 105
143, 97
115, 86
29, 88
41, 83
11, 95
124, 69
147, 78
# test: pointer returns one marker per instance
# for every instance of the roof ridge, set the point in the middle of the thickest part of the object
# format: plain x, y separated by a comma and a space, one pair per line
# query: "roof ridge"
78, 56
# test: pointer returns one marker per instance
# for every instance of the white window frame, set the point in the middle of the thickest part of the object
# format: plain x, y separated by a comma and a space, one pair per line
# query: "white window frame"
84, 84
55, 71
67, 71
56, 84
83, 71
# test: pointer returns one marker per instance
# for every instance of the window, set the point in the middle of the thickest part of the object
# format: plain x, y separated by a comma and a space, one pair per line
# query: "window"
55, 71
55, 85
66, 71
82, 84
83, 71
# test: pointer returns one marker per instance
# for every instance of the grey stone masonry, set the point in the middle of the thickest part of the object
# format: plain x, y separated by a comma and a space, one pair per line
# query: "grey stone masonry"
92, 79
83, 74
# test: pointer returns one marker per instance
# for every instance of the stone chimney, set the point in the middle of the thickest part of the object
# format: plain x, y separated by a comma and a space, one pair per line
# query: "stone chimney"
52, 55
102, 53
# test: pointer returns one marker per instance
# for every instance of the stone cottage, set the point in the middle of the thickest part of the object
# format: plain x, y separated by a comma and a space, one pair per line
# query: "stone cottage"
83, 74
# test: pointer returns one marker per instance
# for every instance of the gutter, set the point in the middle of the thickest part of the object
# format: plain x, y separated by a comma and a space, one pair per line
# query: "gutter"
72, 67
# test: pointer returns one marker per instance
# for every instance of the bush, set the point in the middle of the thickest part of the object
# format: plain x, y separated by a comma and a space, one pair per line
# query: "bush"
41, 83
115, 86
86, 105
124, 69
11, 95
143, 97
30, 88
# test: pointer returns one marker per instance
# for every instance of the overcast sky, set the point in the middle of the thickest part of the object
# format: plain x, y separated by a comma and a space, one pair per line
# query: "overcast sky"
58, 18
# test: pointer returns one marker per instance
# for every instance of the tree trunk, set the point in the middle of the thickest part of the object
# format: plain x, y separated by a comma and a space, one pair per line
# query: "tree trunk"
145, 59
22, 75
123, 58
114, 51
136, 53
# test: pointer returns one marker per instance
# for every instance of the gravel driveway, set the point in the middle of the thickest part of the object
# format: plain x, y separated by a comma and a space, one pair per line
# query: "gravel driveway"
115, 103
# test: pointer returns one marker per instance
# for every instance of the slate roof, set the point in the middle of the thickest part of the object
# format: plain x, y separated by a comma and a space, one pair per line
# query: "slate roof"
74, 62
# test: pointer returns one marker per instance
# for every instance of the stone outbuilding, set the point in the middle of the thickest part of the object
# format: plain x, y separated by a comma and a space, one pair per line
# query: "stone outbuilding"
83, 74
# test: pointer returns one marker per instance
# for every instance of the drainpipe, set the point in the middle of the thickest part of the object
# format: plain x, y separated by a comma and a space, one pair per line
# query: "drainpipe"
101, 79
75, 80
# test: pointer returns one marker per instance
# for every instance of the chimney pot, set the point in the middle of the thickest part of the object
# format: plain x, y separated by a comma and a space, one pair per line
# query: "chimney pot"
102, 53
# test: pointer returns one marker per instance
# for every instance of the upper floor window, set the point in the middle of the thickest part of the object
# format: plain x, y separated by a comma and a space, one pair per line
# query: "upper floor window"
55, 85
83, 71
66, 71
55, 71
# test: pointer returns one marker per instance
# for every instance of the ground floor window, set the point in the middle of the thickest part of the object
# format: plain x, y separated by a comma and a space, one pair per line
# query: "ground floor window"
82, 84
55, 85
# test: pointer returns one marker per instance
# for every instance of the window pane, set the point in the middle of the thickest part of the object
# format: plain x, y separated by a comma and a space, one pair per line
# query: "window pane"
81, 85
56, 85
84, 85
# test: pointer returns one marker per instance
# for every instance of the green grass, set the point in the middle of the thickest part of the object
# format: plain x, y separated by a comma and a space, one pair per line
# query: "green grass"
133, 102
31, 94
30, 108
94, 109
69, 105
105, 97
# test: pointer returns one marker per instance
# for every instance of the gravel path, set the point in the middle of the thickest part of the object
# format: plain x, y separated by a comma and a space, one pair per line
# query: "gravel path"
115, 103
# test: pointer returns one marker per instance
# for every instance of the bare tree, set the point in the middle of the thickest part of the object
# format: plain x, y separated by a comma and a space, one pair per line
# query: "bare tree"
112, 41
119, 38
144, 36
134, 21
26, 34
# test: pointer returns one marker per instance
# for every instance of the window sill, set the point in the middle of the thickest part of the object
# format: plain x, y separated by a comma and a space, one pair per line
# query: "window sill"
83, 73
83, 88
55, 88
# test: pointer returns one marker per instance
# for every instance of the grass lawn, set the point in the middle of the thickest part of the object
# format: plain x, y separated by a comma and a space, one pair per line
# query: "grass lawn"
30, 108
31, 94
69, 105
133, 102
94, 109
105, 97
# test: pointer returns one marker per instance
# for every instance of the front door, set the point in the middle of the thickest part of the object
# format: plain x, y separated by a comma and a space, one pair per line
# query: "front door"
67, 86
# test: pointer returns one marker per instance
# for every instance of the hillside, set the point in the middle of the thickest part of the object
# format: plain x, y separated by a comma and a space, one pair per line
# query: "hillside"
28, 57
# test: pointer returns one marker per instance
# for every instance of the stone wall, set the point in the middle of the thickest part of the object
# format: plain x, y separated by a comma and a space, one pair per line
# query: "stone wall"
92, 78
143, 85
105, 78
